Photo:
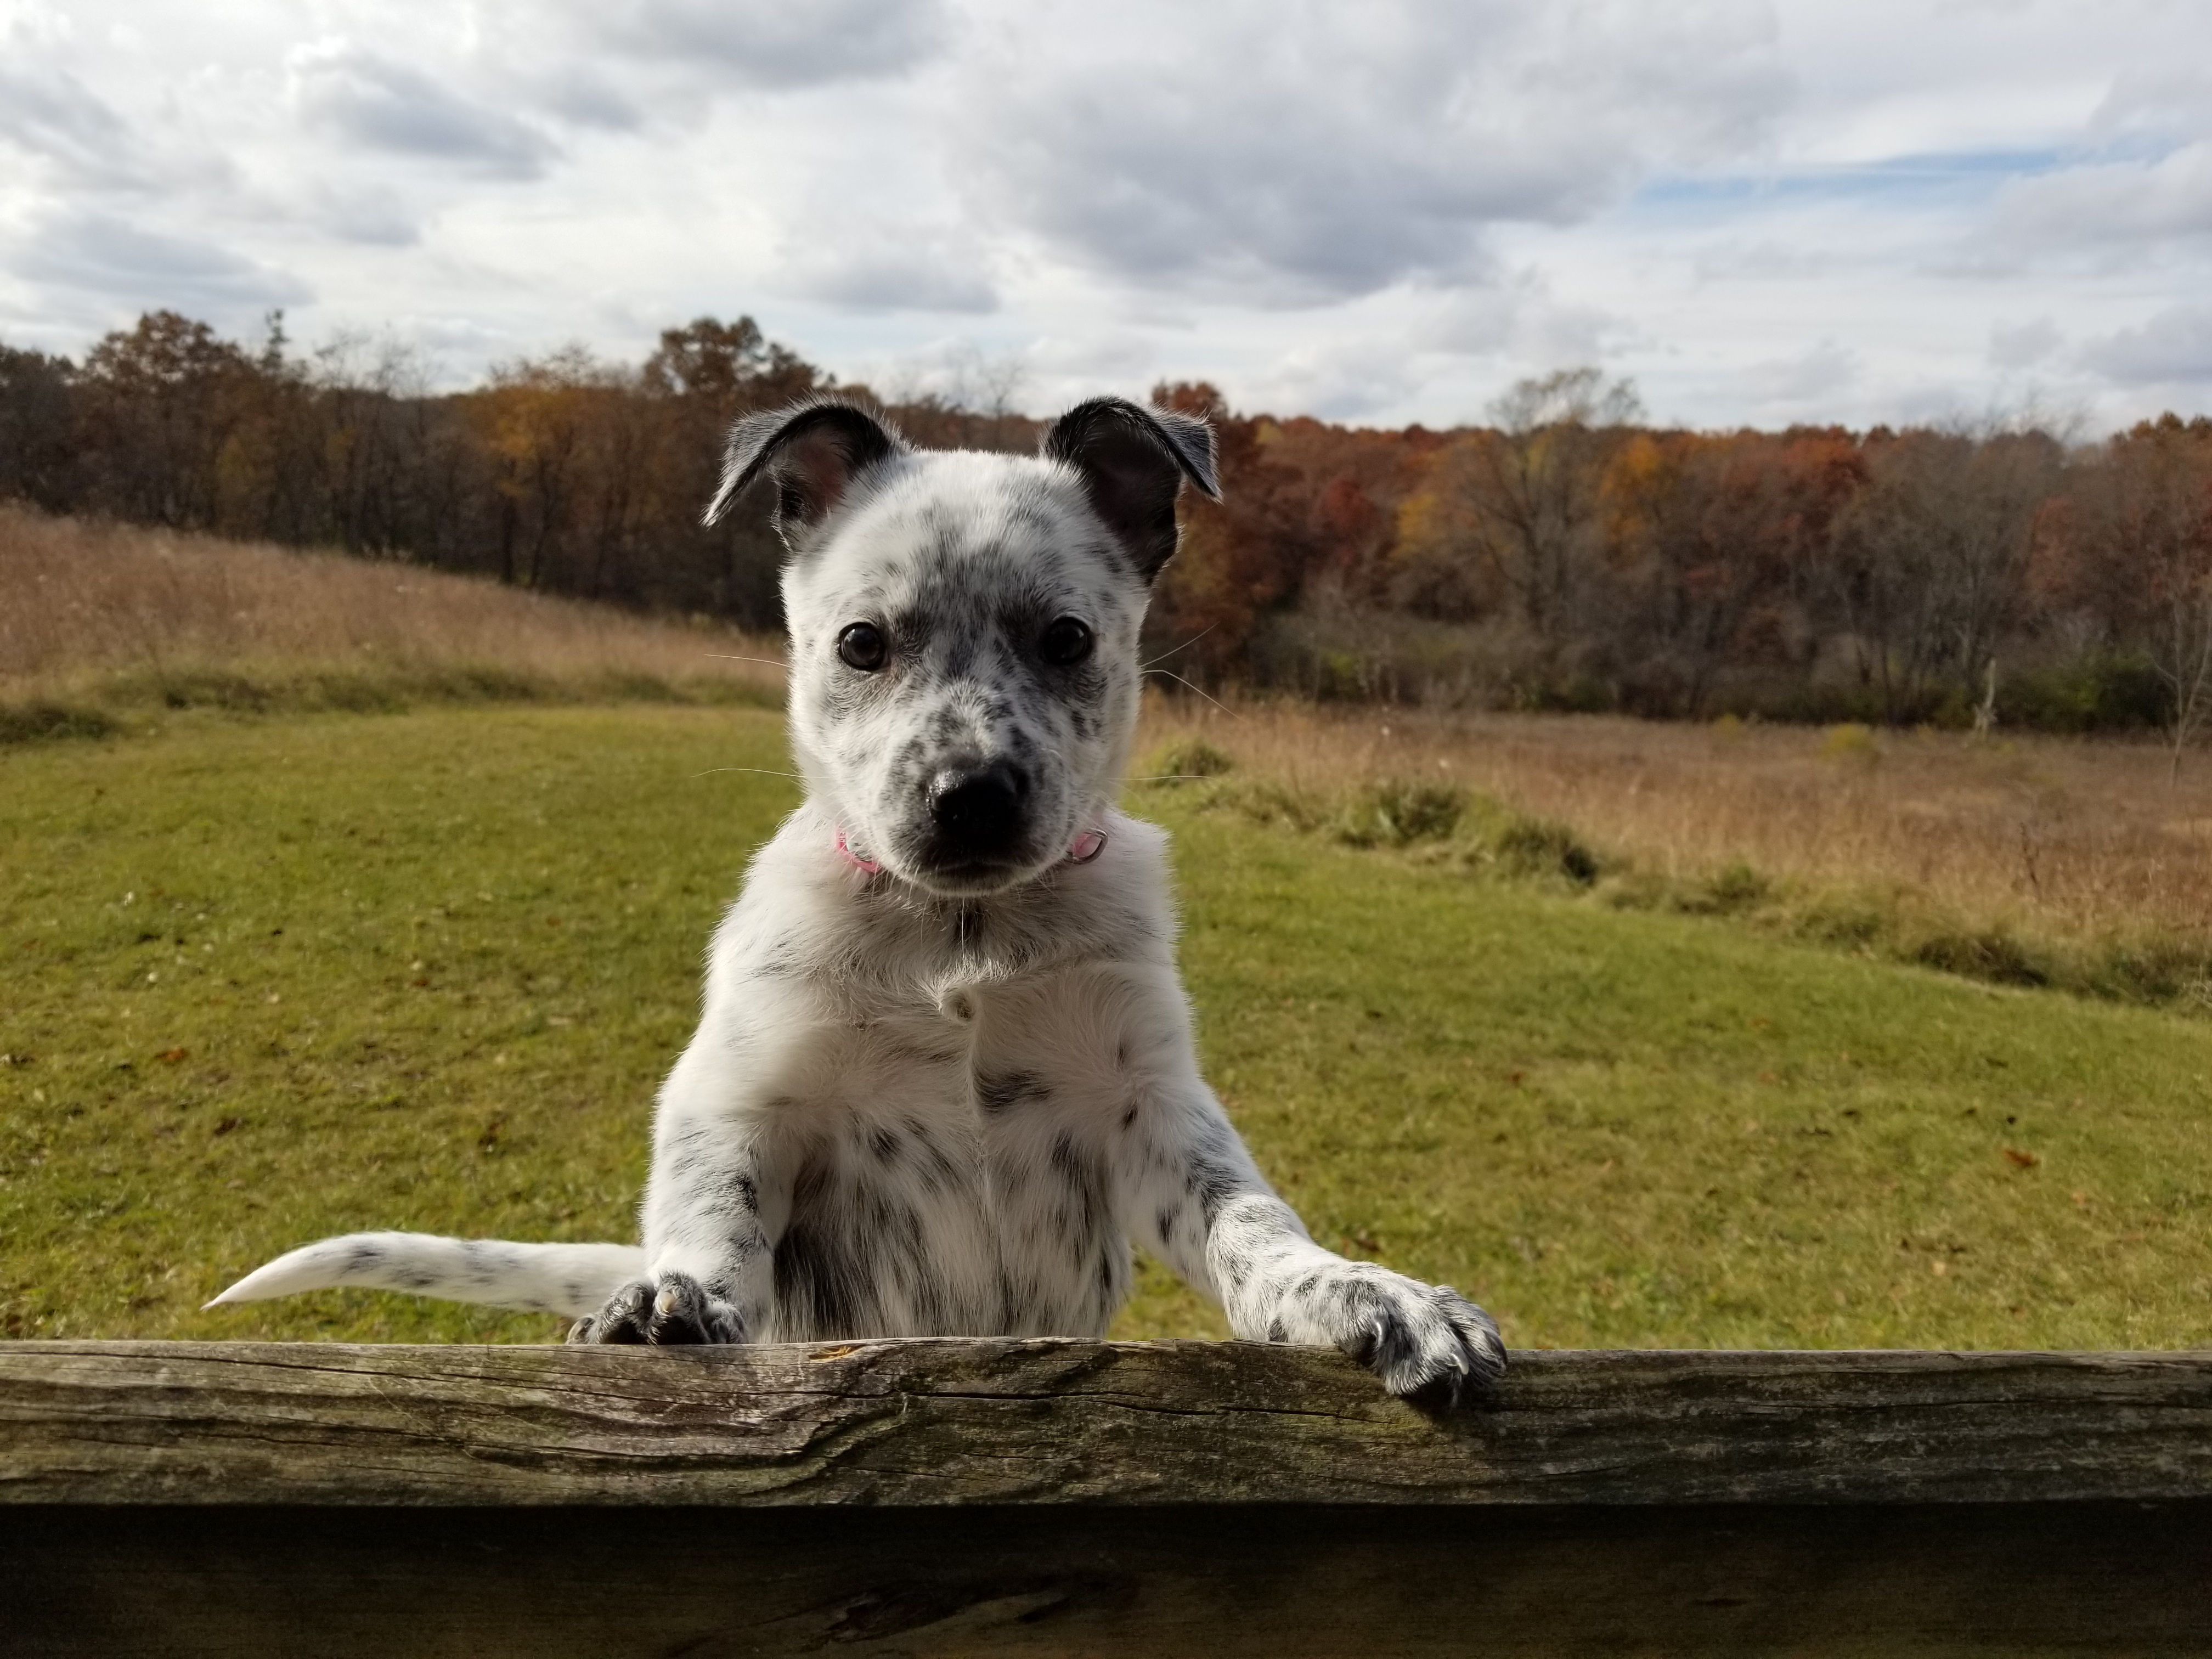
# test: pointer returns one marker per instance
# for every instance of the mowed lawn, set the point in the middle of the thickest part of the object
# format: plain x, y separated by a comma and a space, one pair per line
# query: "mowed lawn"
263, 982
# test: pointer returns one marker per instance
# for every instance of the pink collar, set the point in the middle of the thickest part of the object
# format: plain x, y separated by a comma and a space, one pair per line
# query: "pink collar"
1087, 846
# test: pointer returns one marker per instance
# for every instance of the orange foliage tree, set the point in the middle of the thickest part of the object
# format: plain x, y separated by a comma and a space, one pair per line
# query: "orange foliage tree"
1565, 553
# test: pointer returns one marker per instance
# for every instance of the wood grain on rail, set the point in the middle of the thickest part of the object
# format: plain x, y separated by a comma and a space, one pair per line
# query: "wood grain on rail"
1036, 1423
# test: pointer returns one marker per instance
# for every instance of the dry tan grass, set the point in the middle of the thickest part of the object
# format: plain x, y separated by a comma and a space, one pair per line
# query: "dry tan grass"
2085, 838
82, 603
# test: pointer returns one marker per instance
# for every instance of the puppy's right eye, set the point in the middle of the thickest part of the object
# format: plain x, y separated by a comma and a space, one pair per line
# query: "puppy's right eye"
862, 645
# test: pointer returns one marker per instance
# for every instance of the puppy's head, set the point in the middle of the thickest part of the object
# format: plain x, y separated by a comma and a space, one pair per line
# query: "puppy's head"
963, 625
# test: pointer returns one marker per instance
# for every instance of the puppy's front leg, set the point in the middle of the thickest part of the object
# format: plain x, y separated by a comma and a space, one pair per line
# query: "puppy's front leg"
711, 1262
1197, 1202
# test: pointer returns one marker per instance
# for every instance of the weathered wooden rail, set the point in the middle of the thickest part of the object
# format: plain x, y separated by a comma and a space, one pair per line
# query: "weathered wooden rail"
1075, 1498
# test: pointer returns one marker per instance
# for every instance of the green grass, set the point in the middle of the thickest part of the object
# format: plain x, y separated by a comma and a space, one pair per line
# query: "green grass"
262, 980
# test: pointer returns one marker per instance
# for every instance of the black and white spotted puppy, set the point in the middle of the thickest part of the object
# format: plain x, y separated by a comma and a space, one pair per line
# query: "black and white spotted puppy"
945, 1077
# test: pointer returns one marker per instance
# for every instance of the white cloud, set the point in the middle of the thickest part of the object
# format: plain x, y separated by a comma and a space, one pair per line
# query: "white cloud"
2171, 349
1759, 210
366, 101
893, 268
2022, 345
2131, 201
365, 213
107, 256
2160, 103
52, 117
1289, 155
773, 43
1799, 385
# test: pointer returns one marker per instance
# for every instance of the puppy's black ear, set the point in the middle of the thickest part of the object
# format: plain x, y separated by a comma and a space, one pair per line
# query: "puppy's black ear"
1134, 461
813, 451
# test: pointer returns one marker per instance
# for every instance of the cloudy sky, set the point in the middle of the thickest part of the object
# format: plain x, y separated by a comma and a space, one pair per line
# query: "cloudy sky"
1761, 210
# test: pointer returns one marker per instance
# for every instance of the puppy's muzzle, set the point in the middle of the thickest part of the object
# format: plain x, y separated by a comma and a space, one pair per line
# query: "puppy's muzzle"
978, 816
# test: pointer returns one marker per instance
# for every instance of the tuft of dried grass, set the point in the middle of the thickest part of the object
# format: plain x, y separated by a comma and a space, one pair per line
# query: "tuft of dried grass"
95, 615
2024, 860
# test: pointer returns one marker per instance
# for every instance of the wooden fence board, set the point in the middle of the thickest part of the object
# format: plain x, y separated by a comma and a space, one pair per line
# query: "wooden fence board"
938, 1423
1255, 1582
1036, 1498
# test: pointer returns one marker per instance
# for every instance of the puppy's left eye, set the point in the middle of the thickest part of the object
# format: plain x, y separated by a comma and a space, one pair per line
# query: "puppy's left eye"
1067, 642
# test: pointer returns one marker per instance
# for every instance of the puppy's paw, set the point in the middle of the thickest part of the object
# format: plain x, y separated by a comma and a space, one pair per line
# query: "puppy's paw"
1424, 1341
672, 1308
1431, 1344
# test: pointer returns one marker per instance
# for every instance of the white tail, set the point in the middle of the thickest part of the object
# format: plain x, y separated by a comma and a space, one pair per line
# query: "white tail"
574, 1279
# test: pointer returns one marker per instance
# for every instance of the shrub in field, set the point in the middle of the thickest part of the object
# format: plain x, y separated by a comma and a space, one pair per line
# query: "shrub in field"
1399, 812
1536, 847
1732, 889
2153, 968
1986, 953
1850, 917
29, 722
1396, 812
1269, 801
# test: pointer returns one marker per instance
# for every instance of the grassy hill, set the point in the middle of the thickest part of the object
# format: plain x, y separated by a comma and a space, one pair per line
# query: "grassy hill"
264, 981
108, 628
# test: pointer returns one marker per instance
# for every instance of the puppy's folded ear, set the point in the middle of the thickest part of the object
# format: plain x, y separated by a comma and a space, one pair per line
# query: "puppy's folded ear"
1134, 461
813, 451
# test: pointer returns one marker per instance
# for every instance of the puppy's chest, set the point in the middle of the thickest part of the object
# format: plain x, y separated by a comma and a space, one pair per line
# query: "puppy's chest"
999, 1064
967, 1186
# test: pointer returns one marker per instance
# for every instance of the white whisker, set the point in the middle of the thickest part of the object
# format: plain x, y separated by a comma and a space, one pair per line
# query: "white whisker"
1185, 646
1209, 695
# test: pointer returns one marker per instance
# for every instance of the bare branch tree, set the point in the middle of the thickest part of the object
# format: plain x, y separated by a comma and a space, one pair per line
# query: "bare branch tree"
1532, 491
2183, 657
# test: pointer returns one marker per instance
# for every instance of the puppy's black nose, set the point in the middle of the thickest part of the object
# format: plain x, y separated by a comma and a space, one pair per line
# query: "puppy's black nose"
978, 809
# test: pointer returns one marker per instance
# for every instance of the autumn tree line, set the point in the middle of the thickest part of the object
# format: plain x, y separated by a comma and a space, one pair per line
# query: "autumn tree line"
559, 473
1564, 555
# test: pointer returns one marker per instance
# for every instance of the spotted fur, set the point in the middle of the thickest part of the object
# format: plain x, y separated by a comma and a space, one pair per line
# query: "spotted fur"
934, 1092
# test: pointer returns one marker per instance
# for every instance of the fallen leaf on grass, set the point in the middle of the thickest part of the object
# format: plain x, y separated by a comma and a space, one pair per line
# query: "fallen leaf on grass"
2020, 1159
